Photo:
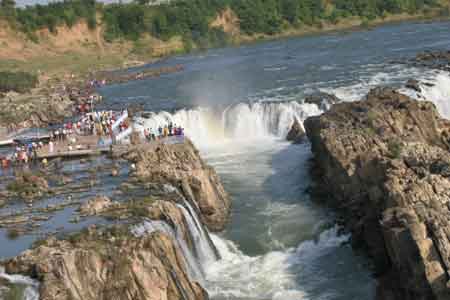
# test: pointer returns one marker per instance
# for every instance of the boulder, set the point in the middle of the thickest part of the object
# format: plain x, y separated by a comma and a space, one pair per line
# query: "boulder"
414, 85
296, 134
95, 206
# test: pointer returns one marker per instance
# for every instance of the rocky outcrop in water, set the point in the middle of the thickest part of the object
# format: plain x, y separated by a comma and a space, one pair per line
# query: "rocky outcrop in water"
296, 134
96, 205
28, 186
385, 163
182, 166
322, 100
433, 59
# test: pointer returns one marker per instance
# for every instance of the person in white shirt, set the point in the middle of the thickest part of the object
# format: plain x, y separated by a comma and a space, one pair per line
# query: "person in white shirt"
50, 147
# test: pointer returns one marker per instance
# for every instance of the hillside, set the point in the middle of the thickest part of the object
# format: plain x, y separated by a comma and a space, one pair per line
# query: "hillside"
79, 36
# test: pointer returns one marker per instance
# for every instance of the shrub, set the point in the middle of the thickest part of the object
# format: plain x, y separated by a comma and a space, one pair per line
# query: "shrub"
395, 148
20, 82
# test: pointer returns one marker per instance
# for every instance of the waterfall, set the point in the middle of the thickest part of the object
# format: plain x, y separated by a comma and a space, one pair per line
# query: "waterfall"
200, 236
192, 264
31, 291
243, 121
437, 90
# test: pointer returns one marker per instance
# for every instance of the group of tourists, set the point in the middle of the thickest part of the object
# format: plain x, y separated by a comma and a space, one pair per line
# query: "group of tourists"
22, 154
163, 131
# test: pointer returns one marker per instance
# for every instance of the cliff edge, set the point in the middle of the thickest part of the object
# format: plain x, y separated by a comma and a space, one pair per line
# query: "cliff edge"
182, 166
385, 163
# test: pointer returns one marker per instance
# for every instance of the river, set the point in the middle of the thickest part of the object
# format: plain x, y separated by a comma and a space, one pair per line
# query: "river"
237, 105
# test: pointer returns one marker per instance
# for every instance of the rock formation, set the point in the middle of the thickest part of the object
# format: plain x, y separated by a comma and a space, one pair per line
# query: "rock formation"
413, 84
182, 166
432, 59
96, 206
322, 100
385, 163
296, 134
28, 186
109, 264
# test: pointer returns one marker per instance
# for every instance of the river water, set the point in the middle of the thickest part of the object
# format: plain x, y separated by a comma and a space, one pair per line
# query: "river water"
237, 105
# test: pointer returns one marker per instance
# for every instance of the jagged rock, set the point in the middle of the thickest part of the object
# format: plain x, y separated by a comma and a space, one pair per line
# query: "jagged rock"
95, 206
414, 85
322, 100
296, 134
181, 165
385, 161
110, 264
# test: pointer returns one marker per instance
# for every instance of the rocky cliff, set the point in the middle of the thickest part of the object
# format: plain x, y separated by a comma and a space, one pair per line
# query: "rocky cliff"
182, 166
385, 163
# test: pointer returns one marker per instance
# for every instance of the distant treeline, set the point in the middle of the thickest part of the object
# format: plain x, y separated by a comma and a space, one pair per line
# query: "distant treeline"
20, 82
190, 19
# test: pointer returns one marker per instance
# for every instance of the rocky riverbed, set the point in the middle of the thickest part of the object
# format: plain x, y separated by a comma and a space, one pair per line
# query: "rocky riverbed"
124, 257
384, 162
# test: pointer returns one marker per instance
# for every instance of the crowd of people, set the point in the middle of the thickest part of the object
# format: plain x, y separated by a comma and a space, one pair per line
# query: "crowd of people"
75, 136
163, 131
94, 123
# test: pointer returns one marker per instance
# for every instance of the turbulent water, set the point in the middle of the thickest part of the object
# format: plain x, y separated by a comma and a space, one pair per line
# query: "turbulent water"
237, 105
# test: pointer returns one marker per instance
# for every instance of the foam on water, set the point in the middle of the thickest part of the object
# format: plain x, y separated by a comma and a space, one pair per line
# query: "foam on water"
269, 276
436, 88
31, 291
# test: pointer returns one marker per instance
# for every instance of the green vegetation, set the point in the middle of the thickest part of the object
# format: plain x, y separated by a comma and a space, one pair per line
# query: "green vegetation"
190, 19
395, 148
68, 12
19, 82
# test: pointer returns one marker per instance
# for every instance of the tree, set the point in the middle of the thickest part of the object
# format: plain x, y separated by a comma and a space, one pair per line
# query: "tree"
8, 8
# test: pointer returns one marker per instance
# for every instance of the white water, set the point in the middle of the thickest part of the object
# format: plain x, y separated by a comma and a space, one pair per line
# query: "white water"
273, 275
203, 249
31, 291
147, 227
238, 122
236, 275
438, 93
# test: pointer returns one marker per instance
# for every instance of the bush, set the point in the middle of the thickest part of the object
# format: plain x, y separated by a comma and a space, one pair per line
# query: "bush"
20, 82
395, 149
